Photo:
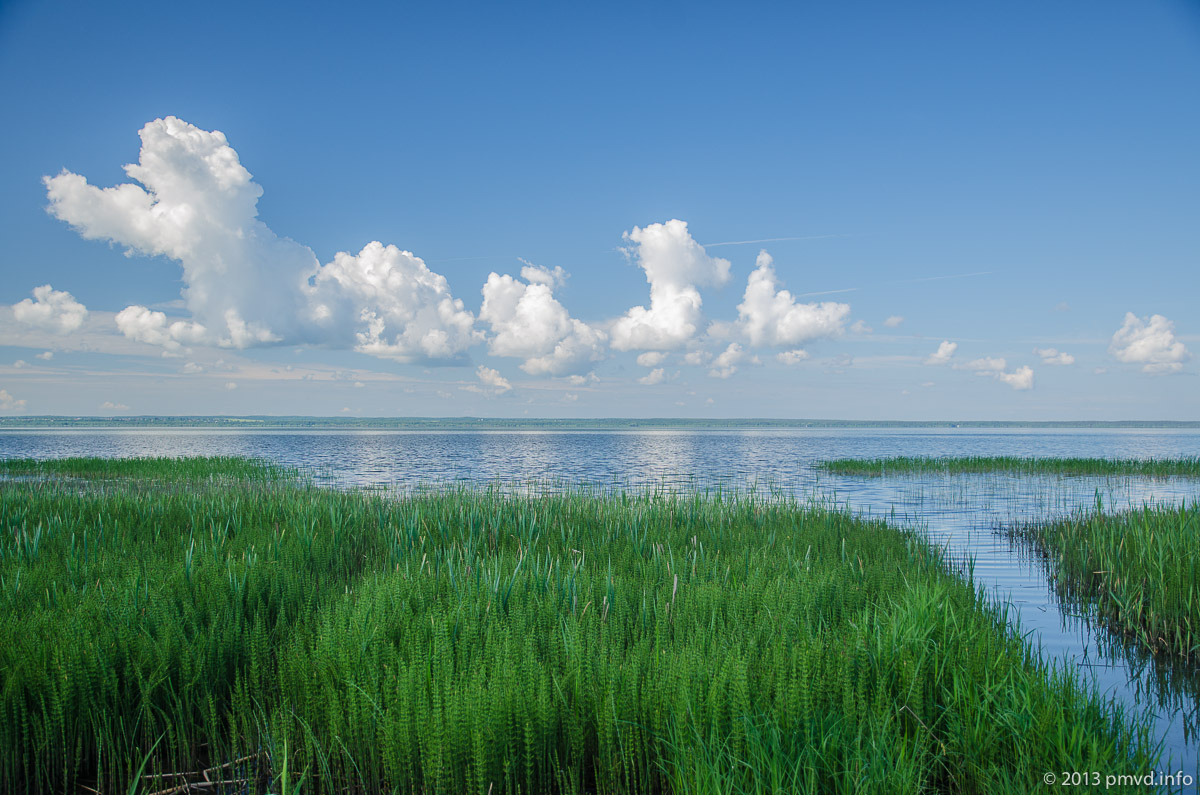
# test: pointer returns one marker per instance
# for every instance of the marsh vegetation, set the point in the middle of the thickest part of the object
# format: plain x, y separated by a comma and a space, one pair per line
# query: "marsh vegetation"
472, 640
961, 465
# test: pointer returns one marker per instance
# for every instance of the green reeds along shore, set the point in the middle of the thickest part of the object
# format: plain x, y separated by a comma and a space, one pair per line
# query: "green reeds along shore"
1096, 467
471, 641
1139, 568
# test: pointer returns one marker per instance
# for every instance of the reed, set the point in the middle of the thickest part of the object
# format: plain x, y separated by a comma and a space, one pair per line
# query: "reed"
1138, 568
278, 635
147, 469
1096, 467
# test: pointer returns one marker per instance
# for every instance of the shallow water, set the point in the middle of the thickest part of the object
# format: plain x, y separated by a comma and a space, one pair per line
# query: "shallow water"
962, 513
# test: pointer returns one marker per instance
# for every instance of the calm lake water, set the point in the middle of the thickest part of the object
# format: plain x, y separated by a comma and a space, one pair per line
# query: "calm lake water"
964, 514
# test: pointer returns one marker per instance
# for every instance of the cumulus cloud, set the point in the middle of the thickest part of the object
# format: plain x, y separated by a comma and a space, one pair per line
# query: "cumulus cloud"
893, 321
943, 353
580, 380
493, 383
20, 364
51, 310
1054, 356
860, 327
46, 356
10, 403
725, 365
651, 359
1149, 342
675, 266
697, 358
1019, 379
109, 405
244, 285
143, 325
653, 377
536, 274
792, 357
770, 317
392, 303
529, 323
231, 385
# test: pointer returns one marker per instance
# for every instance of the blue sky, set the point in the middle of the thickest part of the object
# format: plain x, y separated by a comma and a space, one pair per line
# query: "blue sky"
1014, 182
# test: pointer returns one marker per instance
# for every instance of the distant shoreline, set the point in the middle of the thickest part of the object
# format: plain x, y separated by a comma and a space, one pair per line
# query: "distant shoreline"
494, 423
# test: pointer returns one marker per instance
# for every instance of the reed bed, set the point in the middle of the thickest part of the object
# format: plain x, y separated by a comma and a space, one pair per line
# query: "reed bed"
1094, 467
1139, 568
290, 638
148, 469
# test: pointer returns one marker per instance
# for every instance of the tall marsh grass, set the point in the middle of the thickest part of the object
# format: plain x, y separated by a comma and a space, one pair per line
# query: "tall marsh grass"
1096, 467
469, 640
1140, 569
147, 469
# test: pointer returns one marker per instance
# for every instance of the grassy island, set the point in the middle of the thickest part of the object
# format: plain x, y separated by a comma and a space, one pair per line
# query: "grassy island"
1095, 467
166, 622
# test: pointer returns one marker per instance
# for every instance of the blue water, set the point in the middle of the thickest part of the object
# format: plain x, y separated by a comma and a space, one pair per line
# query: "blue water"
963, 514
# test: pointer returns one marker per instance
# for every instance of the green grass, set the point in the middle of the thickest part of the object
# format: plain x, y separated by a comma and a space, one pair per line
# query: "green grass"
1098, 467
1139, 568
147, 469
472, 641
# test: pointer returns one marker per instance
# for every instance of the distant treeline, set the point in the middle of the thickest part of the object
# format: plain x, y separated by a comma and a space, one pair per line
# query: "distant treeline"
502, 423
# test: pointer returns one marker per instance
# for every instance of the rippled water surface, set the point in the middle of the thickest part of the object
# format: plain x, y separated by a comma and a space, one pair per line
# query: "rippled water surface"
965, 514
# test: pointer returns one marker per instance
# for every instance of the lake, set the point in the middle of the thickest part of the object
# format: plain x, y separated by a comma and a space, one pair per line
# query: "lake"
963, 514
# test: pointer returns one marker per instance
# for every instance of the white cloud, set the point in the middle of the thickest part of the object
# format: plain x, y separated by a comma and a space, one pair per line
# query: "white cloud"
1020, 379
792, 357
893, 321
655, 376
492, 379
570, 397
860, 327
245, 285
943, 353
385, 302
580, 380
108, 405
651, 359
536, 274
1149, 342
675, 266
927, 384
20, 364
1054, 356
144, 325
987, 364
52, 310
10, 403
725, 365
46, 355
697, 358
529, 323
192, 367
770, 317
231, 385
